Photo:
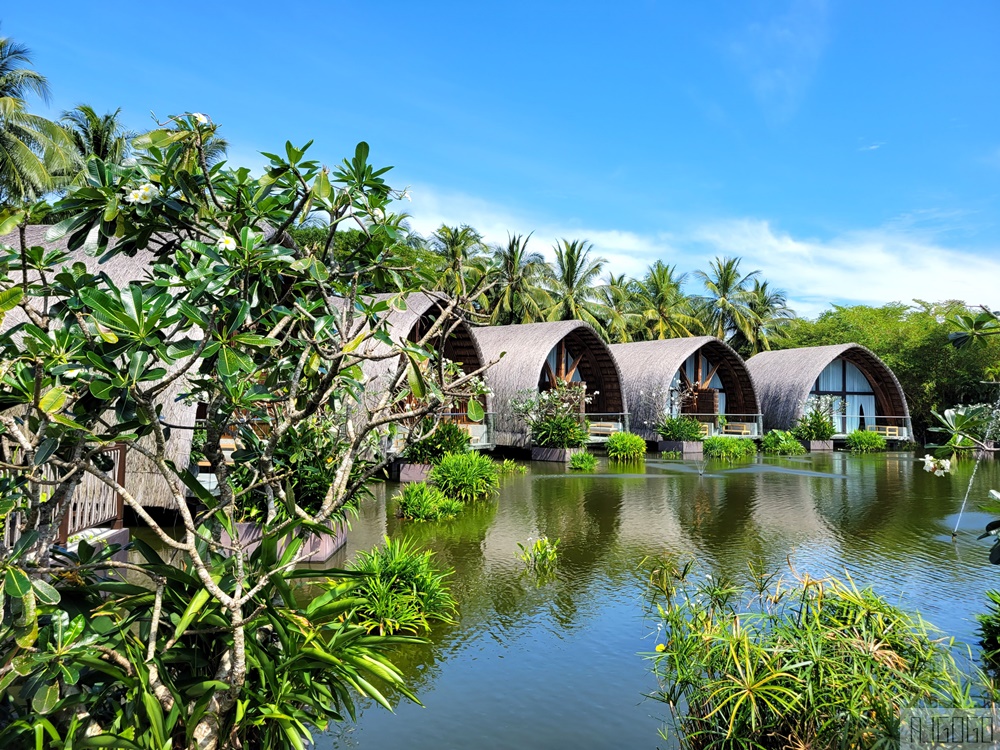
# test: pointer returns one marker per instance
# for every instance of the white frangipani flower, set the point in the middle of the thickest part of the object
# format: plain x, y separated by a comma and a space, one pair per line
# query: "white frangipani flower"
200, 118
226, 242
378, 214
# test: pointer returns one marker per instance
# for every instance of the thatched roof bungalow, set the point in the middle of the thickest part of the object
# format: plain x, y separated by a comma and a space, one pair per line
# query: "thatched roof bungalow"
534, 355
140, 480
699, 376
868, 391
455, 343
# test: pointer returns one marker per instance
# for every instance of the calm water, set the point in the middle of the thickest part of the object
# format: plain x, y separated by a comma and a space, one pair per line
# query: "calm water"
558, 665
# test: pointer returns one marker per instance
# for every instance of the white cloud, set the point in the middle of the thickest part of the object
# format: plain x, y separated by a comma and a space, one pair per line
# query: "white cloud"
894, 262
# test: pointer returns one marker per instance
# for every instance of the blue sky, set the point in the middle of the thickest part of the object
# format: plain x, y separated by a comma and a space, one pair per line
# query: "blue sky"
850, 150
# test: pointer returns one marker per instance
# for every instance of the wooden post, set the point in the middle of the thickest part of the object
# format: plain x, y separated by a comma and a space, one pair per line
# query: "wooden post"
120, 478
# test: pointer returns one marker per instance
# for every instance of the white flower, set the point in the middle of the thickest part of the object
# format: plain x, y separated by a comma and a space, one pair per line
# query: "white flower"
226, 243
200, 118
133, 196
405, 194
378, 215
144, 194
929, 462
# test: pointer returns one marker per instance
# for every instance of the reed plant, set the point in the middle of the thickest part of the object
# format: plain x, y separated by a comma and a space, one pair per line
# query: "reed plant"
626, 447
423, 502
466, 477
728, 447
540, 556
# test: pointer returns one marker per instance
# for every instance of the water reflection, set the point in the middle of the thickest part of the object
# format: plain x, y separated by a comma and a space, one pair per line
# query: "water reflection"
555, 665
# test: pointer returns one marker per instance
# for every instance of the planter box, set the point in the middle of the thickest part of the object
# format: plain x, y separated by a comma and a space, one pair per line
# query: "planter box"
687, 448
818, 446
317, 547
400, 471
559, 455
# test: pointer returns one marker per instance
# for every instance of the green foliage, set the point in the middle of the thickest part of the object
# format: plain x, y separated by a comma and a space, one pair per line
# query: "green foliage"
816, 422
989, 630
423, 502
447, 438
866, 441
671, 455
773, 663
403, 591
781, 443
914, 343
541, 555
626, 447
466, 477
681, 429
728, 447
583, 462
566, 431
509, 466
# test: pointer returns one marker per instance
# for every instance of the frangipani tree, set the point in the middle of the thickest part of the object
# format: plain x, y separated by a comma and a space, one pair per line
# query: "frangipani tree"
212, 650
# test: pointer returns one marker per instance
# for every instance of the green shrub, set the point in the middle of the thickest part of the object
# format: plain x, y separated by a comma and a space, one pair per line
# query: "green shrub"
728, 447
466, 477
423, 502
791, 663
583, 462
403, 591
510, 466
561, 431
686, 429
989, 630
447, 438
781, 443
817, 420
626, 447
671, 455
864, 441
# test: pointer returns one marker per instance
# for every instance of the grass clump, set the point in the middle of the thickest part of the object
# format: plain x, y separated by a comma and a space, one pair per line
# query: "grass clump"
582, 462
466, 477
447, 438
509, 466
781, 443
626, 447
680, 429
728, 447
772, 663
402, 590
423, 502
865, 441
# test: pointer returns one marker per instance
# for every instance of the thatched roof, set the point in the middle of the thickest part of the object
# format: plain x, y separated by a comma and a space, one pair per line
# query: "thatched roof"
142, 480
648, 367
784, 379
525, 349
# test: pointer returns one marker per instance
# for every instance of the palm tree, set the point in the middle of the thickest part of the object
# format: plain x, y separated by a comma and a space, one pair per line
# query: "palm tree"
517, 295
665, 310
32, 149
573, 286
102, 136
771, 316
618, 296
461, 250
725, 309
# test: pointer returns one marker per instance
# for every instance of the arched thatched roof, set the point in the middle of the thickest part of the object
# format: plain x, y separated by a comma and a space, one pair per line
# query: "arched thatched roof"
784, 379
525, 349
648, 367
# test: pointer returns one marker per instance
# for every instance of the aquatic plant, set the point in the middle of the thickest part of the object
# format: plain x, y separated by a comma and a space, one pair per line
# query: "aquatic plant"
866, 441
626, 447
541, 555
781, 443
775, 663
671, 455
555, 417
816, 422
509, 466
583, 462
466, 477
423, 502
680, 429
447, 438
728, 447
402, 590
562, 431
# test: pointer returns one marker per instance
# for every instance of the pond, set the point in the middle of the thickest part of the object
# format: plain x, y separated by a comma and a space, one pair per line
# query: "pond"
559, 665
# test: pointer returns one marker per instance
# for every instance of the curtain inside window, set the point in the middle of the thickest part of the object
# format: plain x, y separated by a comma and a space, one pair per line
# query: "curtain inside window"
831, 379
860, 409
856, 380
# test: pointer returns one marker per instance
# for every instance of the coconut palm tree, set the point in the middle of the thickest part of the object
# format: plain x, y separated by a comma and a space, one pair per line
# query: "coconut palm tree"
618, 296
461, 251
665, 310
517, 274
32, 149
103, 136
771, 316
725, 308
573, 286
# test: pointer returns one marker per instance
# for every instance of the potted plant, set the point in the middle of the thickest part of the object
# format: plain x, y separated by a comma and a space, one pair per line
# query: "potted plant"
680, 435
420, 457
556, 421
815, 429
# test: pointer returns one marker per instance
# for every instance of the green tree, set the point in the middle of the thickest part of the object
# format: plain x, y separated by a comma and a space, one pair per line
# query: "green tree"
574, 287
103, 136
517, 274
665, 310
618, 298
461, 252
725, 308
32, 149
768, 322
